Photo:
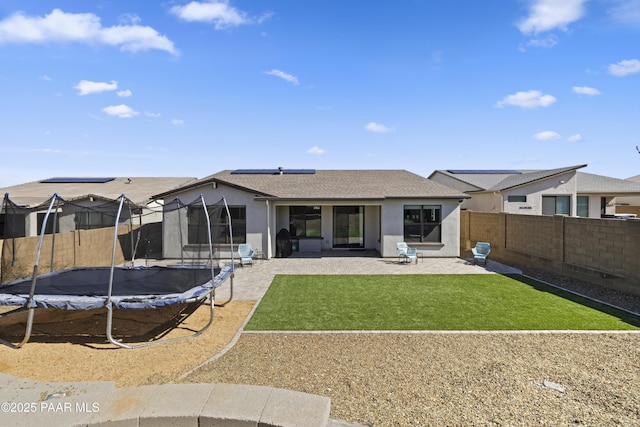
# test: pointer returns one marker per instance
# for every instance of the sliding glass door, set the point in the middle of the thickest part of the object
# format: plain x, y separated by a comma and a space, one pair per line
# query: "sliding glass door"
348, 227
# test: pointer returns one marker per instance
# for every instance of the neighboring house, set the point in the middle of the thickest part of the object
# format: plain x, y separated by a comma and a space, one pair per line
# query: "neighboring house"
561, 191
331, 209
629, 203
95, 193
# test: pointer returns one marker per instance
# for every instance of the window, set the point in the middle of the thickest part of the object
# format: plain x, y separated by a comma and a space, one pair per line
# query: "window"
50, 222
422, 223
583, 206
197, 229
516, 199
89, 220
556, 205
305, 221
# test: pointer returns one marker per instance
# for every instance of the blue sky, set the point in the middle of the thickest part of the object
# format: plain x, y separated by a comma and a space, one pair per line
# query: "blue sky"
189, 88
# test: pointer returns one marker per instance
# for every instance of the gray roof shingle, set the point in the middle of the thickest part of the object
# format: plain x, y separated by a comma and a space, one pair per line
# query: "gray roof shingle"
333, 185
585, 182
138, 189
491, 181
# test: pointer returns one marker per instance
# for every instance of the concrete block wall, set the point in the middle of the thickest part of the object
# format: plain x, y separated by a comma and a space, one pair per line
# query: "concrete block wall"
602, 251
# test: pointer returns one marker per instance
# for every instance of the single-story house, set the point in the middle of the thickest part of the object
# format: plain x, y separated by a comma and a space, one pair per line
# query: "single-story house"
561, 191
87, 192
330, 210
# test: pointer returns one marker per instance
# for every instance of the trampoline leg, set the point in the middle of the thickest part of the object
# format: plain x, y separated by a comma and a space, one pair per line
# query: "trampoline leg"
147, 344
222, 304
110, 329
27, 333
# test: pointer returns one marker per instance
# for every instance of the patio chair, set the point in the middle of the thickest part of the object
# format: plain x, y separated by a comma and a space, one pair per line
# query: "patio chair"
245, 252
405, 253
481, 251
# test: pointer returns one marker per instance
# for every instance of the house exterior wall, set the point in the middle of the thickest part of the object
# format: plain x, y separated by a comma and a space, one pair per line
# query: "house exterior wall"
624, 203
256, 219
562, 185
393, 228
483, 202
383, 222
67, 220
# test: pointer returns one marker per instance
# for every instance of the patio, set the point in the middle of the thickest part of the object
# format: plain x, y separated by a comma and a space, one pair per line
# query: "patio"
251, 282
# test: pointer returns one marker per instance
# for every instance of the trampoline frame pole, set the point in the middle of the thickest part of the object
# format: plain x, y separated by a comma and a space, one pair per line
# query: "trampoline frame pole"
108, 303
34, 277
233, 265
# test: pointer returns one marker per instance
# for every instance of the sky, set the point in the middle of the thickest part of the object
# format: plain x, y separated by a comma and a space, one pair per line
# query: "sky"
189, 88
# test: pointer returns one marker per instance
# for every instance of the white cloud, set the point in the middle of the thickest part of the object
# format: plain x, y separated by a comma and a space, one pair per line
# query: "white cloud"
528, 99
59, 26
151, 114
547, 135
86, 87
124, 93
575, 138
316, 150
284, 76
219, 13
625, 11
45, 78
129, 18
177, 122
122, 111
546, 15
625, 67
586, 90
376, 127
546, 43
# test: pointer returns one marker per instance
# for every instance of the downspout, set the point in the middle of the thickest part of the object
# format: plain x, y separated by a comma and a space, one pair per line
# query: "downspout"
268, 254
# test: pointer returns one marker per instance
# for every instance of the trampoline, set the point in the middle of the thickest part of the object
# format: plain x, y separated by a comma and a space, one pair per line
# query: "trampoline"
133, 288
115, 286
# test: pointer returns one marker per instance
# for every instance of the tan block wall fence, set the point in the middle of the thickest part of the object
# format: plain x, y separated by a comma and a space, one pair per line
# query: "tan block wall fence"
80, 248
602, 251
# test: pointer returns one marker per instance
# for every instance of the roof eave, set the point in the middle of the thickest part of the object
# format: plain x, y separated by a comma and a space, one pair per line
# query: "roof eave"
210, 181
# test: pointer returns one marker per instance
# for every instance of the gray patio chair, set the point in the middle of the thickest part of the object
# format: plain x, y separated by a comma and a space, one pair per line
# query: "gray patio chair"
405, 253
481, 251
246, 252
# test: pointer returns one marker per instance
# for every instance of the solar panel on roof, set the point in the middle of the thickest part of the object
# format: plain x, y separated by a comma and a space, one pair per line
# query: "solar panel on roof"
70, 180
272, 171
484, 171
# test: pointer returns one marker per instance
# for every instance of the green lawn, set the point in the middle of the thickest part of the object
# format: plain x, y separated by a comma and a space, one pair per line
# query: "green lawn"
428, 302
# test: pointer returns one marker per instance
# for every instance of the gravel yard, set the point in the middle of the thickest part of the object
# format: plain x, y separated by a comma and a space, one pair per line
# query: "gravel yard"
448, 379
435, 379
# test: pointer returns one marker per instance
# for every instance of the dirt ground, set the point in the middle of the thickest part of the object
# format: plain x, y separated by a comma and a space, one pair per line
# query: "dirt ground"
72, 345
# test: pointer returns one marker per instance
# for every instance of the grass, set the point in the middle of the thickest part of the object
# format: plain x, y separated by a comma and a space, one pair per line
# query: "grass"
428, 302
